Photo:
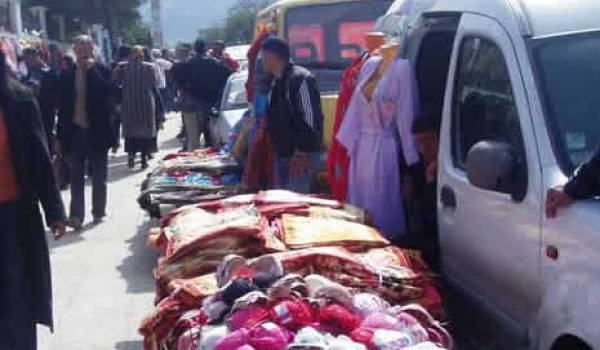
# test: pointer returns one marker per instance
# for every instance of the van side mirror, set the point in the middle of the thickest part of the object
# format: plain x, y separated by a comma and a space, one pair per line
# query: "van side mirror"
491, 166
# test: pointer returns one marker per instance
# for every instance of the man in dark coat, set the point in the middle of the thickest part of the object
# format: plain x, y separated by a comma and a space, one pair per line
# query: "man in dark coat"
295, 118
26, 180
201, 80
85, 128
43, 81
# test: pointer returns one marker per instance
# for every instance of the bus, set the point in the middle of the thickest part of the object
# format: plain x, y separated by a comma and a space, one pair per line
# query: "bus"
325, 36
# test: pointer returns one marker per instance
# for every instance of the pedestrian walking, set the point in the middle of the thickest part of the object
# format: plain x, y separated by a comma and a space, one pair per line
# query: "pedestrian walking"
43, 81
123, 54
295, 118
218, 51
201, 80
85, 130
138, 79
163, 67
26, 180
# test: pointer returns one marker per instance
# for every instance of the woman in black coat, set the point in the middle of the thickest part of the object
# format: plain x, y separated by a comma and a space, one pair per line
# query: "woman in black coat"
26, 180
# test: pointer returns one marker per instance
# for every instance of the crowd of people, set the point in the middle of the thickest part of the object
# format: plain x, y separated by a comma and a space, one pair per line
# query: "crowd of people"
74, 115
78, 113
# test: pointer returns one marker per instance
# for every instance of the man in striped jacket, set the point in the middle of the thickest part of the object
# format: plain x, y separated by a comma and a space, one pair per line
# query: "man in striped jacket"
295, 118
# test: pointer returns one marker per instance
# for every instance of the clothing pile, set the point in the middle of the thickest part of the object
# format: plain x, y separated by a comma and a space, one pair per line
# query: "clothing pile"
189, 177
278, 270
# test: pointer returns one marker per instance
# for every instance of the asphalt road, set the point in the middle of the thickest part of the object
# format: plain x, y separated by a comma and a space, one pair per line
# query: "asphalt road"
103, 284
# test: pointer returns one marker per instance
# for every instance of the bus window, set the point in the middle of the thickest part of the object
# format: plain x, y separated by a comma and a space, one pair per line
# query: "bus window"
307, 43
351, 36
331, 35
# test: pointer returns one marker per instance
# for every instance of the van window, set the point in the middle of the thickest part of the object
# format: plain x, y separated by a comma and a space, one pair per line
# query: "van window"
484, 105
568, 69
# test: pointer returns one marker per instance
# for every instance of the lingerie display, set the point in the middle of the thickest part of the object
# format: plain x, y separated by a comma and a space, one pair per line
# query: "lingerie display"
376, 131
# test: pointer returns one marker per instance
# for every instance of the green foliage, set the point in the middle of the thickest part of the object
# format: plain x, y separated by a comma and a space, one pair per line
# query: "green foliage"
136, 33
121, 17
238, 27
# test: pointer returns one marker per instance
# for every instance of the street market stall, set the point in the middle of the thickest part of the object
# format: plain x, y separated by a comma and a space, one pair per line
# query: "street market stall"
187, 178
279, 270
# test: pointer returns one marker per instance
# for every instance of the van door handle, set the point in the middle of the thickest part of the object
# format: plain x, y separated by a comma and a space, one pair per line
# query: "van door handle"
448, 197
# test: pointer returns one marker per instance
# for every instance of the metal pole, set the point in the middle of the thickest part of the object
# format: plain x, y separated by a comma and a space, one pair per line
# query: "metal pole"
158, 39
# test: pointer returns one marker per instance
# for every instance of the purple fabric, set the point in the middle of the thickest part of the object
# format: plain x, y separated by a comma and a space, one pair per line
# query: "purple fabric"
376, 134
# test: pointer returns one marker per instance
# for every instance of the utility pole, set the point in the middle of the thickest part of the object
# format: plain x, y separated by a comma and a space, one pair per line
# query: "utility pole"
158, 39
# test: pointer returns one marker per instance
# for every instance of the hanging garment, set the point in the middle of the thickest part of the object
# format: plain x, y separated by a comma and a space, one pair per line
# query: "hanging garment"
377, 133
259, 172
338, 162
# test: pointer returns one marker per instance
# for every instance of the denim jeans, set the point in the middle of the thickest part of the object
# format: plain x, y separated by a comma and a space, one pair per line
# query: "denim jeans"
300, 183
82, 152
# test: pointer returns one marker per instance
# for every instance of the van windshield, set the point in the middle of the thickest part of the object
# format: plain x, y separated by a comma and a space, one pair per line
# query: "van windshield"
569, 75
328, 37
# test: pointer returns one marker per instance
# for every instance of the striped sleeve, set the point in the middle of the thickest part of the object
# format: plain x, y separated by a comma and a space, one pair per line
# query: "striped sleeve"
306, 104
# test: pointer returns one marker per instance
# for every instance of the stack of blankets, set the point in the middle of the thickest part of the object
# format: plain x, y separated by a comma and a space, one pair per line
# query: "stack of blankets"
189, 177
278, 270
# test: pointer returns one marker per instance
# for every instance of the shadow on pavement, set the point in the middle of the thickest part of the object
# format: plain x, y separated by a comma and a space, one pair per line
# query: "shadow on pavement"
119, 170
137, 269
129, 345
72, 237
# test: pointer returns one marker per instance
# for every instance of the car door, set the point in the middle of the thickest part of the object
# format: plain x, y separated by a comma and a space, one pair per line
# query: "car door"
490, 240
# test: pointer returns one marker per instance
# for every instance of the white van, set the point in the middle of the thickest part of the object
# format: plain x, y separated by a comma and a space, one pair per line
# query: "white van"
517, 85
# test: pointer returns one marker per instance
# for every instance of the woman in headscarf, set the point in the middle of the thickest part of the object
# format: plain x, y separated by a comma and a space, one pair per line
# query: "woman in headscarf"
138, 79
26, 180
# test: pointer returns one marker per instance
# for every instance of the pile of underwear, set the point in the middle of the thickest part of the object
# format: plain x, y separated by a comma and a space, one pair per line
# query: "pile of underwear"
279, 270
189, 177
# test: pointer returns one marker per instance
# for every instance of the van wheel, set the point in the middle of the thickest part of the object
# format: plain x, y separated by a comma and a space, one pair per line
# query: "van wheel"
569, 342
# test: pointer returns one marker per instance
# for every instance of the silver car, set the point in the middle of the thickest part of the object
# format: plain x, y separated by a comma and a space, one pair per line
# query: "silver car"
234, 104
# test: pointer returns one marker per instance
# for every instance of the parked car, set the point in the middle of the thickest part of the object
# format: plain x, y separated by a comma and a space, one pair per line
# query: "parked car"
234, 104
240, 54
516, 86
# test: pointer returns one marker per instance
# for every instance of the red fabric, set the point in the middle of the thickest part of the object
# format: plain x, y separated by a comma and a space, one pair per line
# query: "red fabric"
233, 341
364, 336
231, 62
157, 326
269, 336
336, 319
248, 318
259, 172
338, 161
293, 314
252, 57
9, 185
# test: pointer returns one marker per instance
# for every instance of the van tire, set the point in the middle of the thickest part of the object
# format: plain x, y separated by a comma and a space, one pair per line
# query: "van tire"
569, 342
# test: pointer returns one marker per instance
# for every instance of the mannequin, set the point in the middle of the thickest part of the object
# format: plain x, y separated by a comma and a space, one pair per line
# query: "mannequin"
388, 53
374, 41
377, 132
338, 162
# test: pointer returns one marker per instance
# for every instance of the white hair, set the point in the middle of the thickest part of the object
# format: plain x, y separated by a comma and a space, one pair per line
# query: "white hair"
83, 39
156, 53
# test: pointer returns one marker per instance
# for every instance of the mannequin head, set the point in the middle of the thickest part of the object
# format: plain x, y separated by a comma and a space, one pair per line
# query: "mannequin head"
374, 41
261, 28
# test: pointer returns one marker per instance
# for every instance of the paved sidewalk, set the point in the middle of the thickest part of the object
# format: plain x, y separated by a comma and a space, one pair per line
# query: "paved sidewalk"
102, 276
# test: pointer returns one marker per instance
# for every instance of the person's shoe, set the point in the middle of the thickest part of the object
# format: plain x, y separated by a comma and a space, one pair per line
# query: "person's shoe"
75, 223
98, 220
131, 162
